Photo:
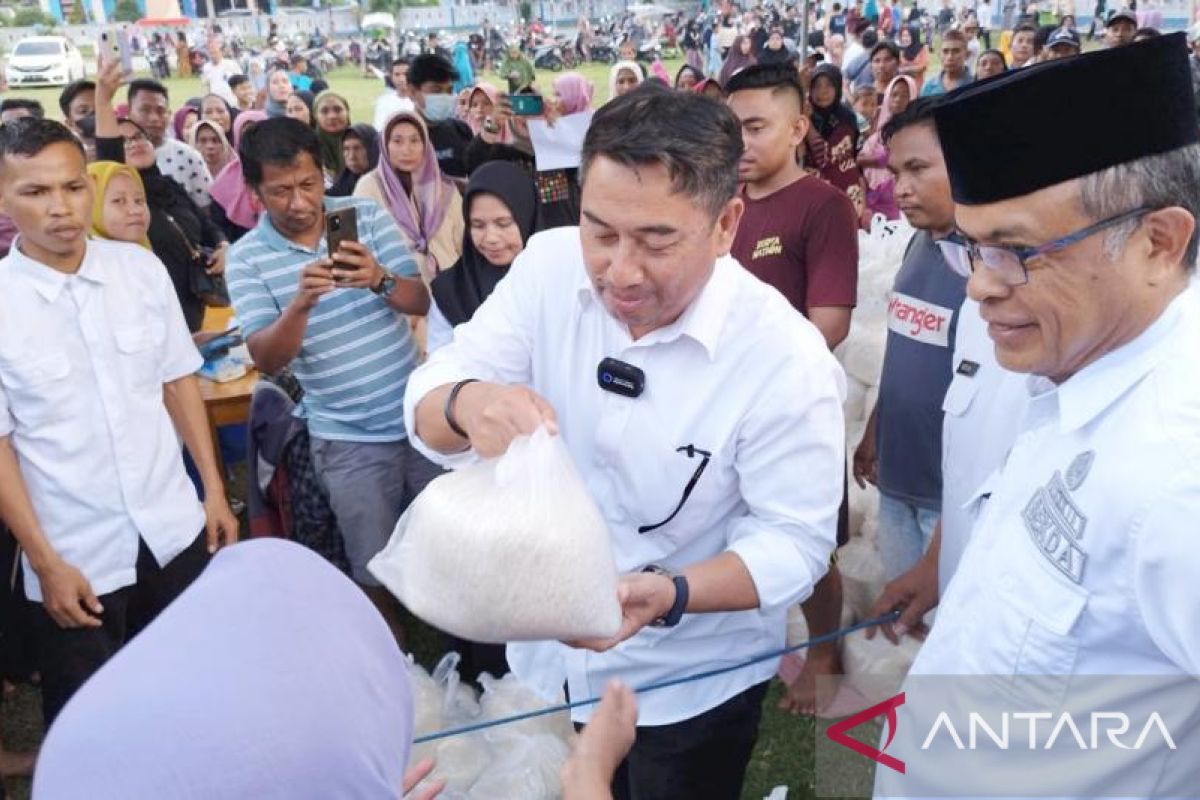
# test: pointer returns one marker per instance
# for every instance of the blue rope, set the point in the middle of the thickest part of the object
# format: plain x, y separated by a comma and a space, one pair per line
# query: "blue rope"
541, 712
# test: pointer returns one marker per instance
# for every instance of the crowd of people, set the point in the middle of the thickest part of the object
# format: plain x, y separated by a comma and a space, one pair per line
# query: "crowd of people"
708, 239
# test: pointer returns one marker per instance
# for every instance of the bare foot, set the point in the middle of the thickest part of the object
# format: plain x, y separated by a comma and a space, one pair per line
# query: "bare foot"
807, 695
16, 765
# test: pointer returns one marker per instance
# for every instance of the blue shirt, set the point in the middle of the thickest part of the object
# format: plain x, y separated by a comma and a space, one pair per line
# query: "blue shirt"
357, 351
935, 86
301, 83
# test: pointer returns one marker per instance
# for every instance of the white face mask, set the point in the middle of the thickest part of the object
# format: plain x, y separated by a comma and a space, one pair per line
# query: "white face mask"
439, 107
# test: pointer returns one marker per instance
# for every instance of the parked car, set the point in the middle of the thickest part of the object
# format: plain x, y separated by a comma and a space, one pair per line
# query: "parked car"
45, 61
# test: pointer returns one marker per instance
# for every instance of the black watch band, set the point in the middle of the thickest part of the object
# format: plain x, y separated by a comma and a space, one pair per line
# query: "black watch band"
672, 617
448, 409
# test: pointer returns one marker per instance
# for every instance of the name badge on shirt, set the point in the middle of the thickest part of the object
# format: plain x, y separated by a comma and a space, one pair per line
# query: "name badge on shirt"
919, 319
968, 368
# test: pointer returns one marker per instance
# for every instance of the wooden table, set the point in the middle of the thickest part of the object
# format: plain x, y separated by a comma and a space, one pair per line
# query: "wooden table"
227, 404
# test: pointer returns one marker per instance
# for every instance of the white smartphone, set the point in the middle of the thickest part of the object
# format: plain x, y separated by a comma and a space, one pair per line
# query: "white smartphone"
114, 44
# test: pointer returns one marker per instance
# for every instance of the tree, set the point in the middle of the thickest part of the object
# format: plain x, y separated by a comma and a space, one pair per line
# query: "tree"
28, 17
127, 11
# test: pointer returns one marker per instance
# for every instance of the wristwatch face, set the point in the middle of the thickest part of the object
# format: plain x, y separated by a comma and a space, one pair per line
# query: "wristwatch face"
386, 285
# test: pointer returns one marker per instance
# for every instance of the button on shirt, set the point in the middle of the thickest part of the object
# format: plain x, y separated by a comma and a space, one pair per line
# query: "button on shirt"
357, 351
83, 360
740, 374
184, 165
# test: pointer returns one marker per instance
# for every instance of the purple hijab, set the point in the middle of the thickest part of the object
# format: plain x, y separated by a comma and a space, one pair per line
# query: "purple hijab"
421, 216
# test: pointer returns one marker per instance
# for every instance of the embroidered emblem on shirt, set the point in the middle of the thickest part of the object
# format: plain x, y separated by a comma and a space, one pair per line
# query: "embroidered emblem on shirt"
1078, 471
770, 246
919, 319
1056, 526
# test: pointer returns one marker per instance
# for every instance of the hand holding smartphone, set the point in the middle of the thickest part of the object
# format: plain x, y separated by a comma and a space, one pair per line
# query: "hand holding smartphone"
114, 48
340, 226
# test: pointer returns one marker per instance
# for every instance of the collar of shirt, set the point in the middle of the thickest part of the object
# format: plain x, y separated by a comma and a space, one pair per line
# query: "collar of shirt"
48, 281
277, 241
1088, 393
701, 321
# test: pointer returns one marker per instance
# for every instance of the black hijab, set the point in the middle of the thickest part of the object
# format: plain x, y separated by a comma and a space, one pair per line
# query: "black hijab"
826, 119
346, 180
460, 290
914, 49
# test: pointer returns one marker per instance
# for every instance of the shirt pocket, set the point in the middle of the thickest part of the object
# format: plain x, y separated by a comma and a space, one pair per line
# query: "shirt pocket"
139, 354
960, 395
38, 388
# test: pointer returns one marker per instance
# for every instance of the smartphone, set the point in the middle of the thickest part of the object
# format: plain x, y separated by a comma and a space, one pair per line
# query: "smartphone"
114, 45
340, 226
527, 105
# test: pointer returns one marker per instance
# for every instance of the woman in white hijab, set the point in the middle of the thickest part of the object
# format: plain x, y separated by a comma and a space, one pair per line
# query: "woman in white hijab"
272, 676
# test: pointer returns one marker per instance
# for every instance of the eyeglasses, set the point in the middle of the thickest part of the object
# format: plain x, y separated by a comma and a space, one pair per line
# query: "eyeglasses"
692, 451
1011, 263
136, 137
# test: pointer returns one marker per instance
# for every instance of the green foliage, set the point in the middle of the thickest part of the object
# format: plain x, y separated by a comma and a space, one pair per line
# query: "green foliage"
127, 11
28, 17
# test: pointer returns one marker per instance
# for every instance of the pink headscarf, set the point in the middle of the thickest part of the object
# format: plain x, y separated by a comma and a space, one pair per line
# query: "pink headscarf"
229, 189
574, 92
913, 93
477, 124
660, 72
874, 147
180, 119
420, 216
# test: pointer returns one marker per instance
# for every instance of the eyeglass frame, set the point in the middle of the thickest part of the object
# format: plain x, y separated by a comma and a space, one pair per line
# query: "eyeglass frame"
1024, 254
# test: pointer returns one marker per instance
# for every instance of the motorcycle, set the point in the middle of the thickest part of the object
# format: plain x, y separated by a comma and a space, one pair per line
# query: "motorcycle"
649, 52
548, 56
160, 67
602, 50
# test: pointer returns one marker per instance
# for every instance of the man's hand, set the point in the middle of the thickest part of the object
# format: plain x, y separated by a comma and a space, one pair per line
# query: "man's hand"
221, 526
915, 592
68, 597
354, 267
419, 772
866, 461
216, 262
316, 280
602, 746
493, 414
644, 597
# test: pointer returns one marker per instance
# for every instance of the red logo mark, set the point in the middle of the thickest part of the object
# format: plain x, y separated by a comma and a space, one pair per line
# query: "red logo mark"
837, 732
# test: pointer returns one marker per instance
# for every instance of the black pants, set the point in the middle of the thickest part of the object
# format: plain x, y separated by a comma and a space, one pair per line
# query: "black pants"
702, 758
69, 656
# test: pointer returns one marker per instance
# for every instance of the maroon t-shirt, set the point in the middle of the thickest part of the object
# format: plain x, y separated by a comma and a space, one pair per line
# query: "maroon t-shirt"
803, 240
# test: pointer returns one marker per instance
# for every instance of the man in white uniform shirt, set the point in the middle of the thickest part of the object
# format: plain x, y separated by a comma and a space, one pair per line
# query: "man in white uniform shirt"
217, 72
720, 481
96, 391
1083, 559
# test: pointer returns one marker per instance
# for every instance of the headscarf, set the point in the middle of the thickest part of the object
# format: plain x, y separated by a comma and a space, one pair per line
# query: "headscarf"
913, 50
913, 94
574, 93
459, 291
462, 104
331, 143
420, 215
704, 84
344, 185
180, 118
274, 108
307, 97
243, 687
688, 68
504, 135
229, 189
226, 149
233, 112
826, 119
520, 65
462, 66
632, 66
102, 172
735, 61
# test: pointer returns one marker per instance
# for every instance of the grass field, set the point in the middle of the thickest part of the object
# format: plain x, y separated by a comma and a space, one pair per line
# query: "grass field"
784, 755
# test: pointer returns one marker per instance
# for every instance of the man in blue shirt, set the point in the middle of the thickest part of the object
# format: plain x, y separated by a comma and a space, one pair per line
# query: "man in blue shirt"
337, 320
954, 66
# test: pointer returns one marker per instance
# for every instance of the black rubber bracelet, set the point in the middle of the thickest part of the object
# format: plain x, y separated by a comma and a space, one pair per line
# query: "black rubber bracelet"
448, 409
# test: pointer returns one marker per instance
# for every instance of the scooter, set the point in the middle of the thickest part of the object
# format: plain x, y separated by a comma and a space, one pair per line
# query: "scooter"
602, 50
548, 56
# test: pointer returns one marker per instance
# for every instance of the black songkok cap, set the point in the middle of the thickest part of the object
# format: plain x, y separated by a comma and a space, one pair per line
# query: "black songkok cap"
1003, 137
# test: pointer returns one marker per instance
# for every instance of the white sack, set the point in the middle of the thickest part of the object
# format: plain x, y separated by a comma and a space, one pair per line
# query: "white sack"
878, 657
862, 575
507, 549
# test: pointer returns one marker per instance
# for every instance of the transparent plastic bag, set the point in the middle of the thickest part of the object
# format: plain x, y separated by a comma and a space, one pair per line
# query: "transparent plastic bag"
507, 549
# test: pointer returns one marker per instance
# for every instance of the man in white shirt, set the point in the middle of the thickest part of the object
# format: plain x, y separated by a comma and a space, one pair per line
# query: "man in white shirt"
218, 71
1082, 560
150, 108
96, 391
719, 471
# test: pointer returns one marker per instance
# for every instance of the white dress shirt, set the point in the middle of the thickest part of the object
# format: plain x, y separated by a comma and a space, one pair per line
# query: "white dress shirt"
83, 360
740, 374
438, 330
216, 79
983, 409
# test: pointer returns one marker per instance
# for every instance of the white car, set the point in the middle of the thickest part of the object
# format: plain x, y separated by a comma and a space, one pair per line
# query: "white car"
45, 61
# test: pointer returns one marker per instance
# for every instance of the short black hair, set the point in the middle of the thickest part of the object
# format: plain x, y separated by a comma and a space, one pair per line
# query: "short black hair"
145, 85
870, 38
278, 141
697, 139
237, 80
919, 112
890, 46
1148, 33
396, 62
1026, 28
71, 91
298, 58
780, 77
29, 136
33, 106
431, 68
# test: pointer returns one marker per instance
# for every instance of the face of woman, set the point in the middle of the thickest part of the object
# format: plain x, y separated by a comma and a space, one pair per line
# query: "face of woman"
209, 145
139, 152
823, 92
745, 46
279, 87
189, 123
989, 65
626, 82
899, 99
214, 108
905, 37
405, 147
354, 154
687, 79
332, 115
494, 232
296, 109
481, 106
125, 214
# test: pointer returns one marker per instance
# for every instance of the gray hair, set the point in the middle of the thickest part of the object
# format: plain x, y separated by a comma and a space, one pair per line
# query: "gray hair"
1158, 181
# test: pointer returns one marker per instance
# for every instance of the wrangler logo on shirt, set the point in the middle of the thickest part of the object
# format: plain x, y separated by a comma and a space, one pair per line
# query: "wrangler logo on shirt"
919, 320
771, 246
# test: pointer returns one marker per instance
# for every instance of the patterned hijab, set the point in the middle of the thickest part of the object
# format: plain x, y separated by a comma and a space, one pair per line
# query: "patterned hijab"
420, 214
